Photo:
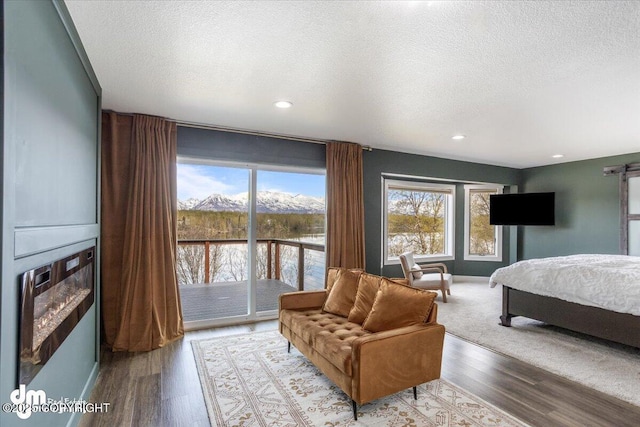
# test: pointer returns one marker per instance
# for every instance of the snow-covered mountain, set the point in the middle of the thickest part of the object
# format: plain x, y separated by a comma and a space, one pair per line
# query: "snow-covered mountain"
268, 202
220, 202
187, 204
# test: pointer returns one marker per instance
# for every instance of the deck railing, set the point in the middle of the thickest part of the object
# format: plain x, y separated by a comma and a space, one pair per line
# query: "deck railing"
274, 254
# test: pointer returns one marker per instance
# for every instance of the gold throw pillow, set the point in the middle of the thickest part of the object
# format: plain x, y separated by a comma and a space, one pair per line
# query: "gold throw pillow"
343, 293
367, 290
397, 306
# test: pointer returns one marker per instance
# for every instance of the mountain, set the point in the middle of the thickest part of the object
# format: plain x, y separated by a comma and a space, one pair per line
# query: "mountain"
268, 202
220, 202
187, 204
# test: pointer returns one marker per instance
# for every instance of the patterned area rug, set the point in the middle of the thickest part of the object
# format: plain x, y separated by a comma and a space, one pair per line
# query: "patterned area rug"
251, 380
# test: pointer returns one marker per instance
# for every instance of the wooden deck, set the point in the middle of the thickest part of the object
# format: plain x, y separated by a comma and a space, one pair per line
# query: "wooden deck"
225, 299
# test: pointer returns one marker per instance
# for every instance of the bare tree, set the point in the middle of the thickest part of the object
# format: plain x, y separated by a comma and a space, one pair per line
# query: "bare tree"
289, 265
189, 264
416, 221
261, 261
236, 262
482, 233
215, 261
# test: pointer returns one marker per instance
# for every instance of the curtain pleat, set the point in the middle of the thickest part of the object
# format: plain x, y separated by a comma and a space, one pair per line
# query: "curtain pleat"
140, 299
345, 206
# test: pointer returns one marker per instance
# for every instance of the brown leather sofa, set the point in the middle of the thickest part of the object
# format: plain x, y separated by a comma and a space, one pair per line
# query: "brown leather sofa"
370, 335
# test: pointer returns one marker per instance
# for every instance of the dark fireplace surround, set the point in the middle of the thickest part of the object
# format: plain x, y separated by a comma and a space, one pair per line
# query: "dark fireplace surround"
54, 297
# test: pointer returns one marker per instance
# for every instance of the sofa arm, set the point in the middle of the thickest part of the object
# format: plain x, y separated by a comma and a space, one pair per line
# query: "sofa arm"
389, 361
302, 299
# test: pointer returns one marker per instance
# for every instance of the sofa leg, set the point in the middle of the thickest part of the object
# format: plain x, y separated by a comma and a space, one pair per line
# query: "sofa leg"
355, 410
288, 346
415, 393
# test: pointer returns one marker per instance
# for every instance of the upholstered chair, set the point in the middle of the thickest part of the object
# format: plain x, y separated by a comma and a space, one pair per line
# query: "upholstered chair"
432, 276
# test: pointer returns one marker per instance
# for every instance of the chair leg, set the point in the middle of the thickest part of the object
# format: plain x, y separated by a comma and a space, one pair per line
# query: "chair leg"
355, 409
415, 393
444, 294
288, 346
448, 291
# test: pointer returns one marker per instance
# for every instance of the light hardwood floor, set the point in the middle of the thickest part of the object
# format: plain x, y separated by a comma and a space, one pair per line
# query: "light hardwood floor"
161, 388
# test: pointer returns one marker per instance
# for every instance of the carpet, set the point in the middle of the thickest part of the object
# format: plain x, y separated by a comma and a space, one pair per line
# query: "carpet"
472, 313
251, 380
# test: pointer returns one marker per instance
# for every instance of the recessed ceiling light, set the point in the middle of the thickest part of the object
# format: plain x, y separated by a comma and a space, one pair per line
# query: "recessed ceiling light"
558, 156
458, 137
283, 104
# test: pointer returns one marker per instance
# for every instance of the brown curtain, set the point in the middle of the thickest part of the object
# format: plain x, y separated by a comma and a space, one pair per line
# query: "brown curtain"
345, 206
140, 301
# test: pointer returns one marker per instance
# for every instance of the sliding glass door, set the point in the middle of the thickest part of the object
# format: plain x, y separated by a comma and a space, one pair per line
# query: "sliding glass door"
246, 235
213, 235
290, 216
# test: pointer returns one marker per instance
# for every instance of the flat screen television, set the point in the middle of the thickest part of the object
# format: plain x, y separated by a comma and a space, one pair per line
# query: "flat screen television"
522, 209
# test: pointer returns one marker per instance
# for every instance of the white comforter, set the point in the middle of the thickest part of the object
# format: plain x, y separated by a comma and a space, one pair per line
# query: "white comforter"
611, 282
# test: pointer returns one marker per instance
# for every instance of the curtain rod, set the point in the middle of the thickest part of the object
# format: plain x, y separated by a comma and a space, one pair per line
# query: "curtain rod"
258, 133
243, 131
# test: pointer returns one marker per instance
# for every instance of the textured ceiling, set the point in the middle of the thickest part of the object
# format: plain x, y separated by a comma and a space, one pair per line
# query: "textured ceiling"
522, 80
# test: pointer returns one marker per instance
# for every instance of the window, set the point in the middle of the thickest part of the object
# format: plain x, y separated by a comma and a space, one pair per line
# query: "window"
418, 217
482, 241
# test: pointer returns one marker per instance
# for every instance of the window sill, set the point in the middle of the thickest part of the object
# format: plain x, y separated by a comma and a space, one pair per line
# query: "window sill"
421, 260
483, 258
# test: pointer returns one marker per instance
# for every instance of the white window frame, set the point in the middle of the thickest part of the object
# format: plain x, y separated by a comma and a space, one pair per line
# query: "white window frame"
497, 257
449, 244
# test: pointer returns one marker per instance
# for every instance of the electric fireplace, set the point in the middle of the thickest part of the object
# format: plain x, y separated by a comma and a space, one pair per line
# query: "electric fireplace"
54, 298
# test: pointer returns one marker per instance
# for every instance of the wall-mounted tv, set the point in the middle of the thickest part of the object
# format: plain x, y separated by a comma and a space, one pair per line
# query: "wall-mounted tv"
522, 209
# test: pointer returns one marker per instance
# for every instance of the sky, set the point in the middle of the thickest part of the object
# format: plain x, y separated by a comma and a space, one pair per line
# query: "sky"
200, 181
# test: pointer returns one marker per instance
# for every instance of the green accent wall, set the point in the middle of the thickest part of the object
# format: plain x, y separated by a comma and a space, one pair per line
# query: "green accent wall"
50, 188
587, 208
379, 162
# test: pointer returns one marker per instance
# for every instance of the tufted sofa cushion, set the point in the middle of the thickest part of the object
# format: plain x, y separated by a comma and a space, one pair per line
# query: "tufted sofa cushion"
332, 336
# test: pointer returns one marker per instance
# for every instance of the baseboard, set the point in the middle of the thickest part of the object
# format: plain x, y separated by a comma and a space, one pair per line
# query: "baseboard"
460, 278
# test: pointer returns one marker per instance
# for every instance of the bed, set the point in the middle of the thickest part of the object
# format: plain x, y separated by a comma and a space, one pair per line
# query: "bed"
598, 295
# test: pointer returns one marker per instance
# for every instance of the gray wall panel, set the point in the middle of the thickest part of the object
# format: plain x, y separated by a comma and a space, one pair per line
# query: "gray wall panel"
29, 241
50, 149
54, 119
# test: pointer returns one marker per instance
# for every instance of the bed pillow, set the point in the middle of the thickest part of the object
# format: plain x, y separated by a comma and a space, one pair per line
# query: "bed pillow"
397, 306
368, 286
343, 293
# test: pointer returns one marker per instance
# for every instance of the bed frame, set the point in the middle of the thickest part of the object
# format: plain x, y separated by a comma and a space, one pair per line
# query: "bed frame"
619, 327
